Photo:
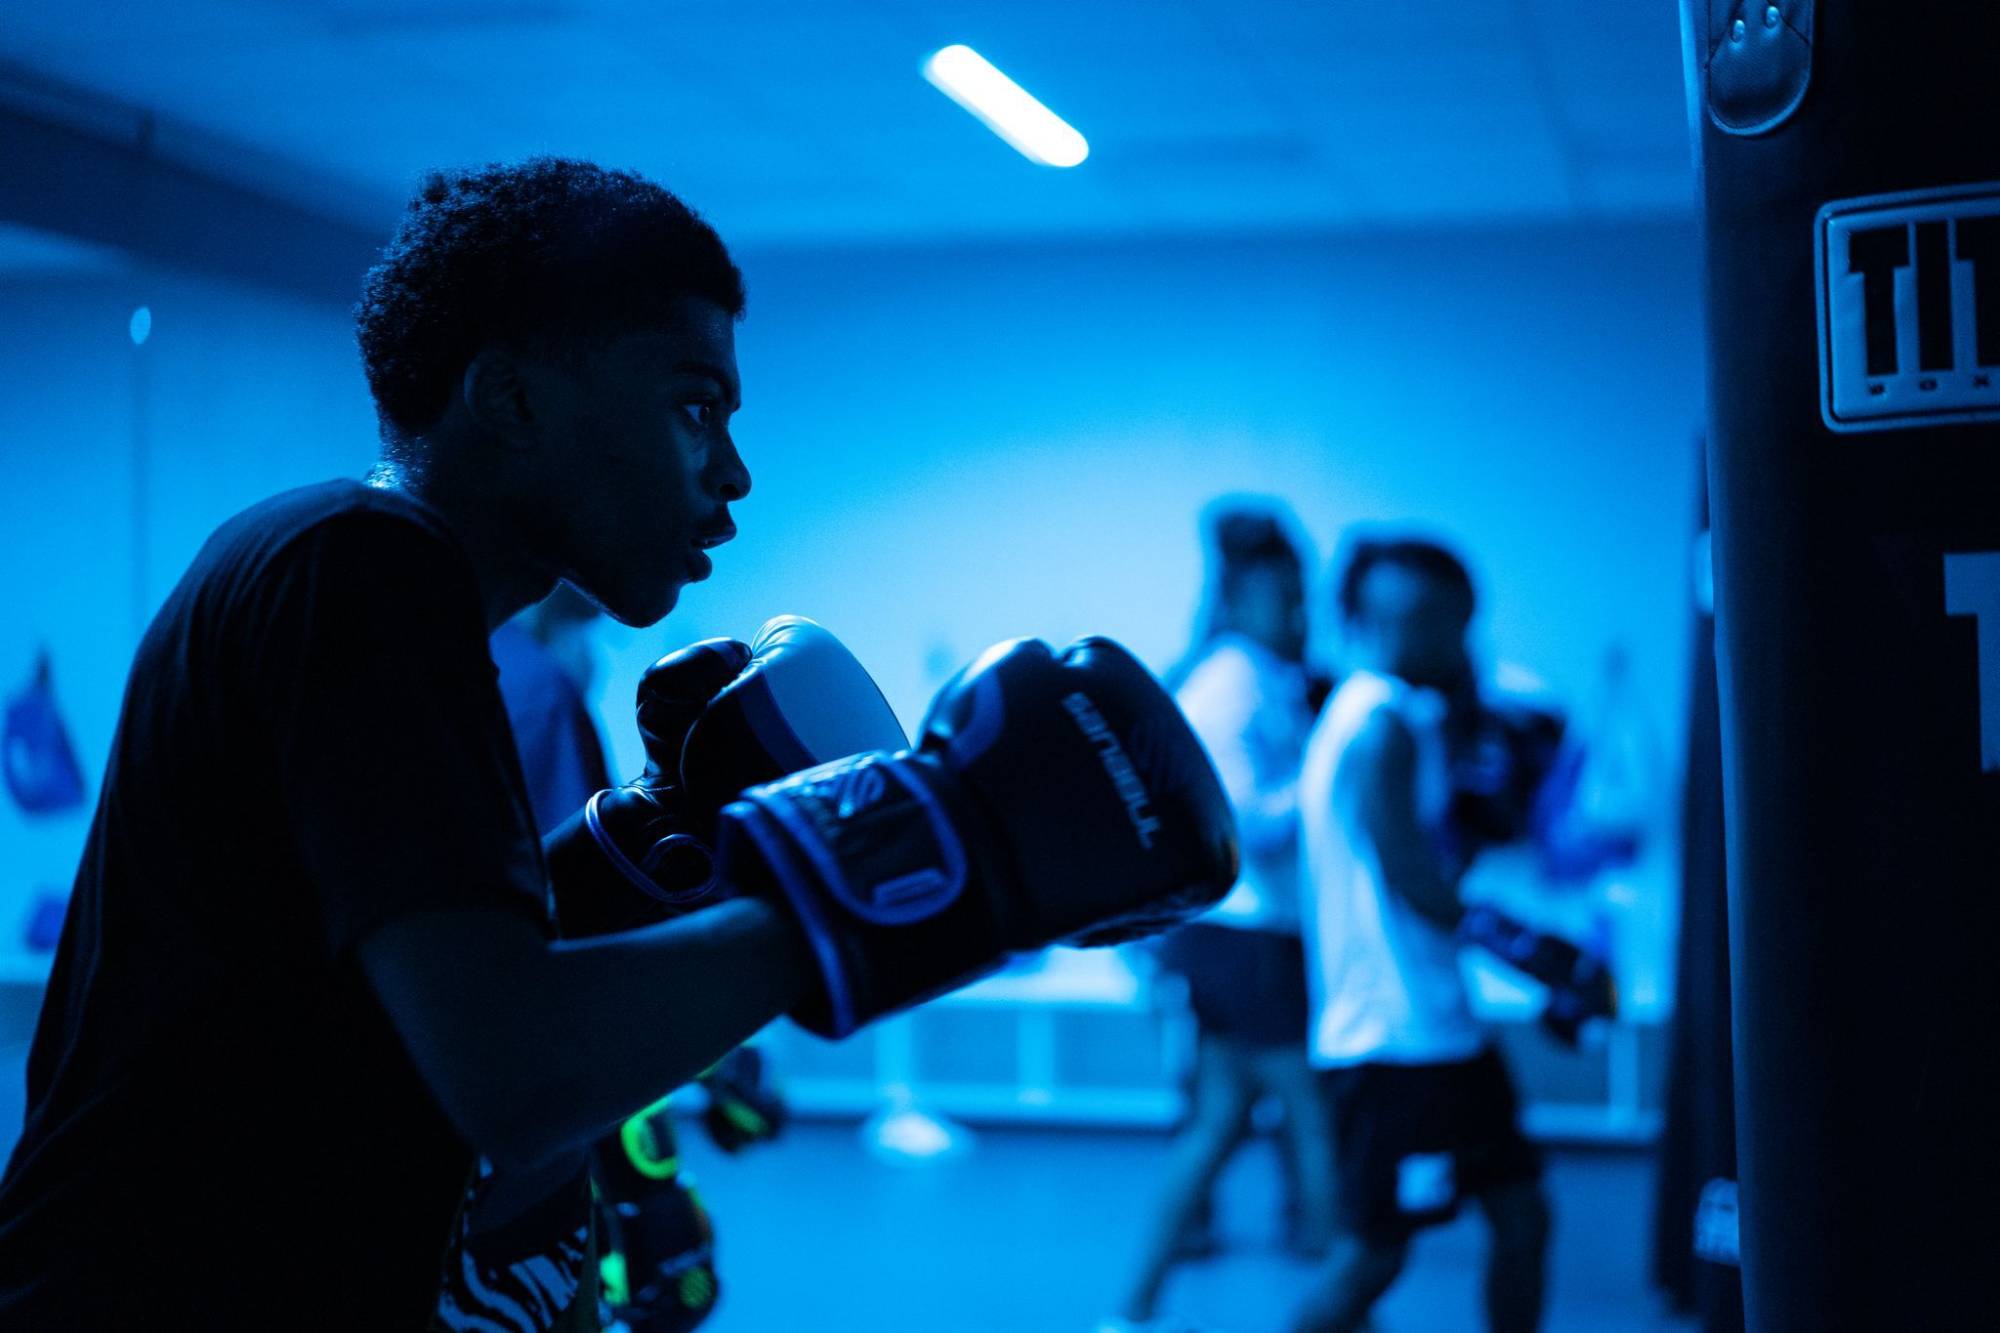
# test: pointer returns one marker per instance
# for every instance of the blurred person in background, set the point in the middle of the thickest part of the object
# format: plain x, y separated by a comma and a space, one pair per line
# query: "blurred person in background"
657, 1241
1244, 688
1424, 1112
548, 665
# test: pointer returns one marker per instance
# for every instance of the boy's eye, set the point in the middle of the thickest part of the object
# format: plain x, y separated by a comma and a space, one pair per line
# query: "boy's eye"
700, 413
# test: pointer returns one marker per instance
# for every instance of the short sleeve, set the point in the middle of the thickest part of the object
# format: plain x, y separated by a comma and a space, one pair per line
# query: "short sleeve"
394, 765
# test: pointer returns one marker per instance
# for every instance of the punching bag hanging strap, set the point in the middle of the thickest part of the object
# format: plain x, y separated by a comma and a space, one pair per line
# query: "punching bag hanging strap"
1759, 61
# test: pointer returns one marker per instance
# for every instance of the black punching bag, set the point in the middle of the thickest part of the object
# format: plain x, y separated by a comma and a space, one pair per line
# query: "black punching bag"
1695, 1222
1850, 162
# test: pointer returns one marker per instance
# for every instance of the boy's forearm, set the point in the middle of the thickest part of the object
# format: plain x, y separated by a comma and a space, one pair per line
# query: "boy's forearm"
631, 1017
534, 1048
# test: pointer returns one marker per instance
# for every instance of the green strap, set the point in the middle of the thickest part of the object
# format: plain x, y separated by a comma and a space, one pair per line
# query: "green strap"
642, 1149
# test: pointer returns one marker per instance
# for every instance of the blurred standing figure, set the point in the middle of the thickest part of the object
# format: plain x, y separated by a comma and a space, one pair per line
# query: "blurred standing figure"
653, 1233
1243, 687
547, 667
1424, 1111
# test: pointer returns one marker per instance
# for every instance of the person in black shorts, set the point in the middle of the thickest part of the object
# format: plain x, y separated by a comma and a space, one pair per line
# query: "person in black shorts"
1245, 691
1424, 1114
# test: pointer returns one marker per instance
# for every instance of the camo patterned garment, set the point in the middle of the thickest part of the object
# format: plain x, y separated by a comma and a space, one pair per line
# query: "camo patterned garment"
522, 1269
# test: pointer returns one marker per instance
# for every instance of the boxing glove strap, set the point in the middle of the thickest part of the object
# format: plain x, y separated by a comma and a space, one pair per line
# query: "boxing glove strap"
819, 808
853, 846
638, 875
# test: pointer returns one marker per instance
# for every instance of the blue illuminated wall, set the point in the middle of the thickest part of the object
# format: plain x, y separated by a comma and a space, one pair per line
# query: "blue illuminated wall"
956, 446
242, 393
952, 447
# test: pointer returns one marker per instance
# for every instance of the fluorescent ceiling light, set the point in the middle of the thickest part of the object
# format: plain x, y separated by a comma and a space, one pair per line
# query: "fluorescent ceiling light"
1008, 109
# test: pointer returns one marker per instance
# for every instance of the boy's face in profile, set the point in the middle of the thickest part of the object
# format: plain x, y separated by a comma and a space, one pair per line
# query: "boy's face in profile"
643, 468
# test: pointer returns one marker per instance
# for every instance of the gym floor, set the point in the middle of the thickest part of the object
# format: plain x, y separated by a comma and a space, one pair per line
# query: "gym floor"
1031, 1230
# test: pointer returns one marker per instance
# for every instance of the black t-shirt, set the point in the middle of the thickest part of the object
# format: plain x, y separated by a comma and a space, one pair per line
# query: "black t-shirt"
223, 1129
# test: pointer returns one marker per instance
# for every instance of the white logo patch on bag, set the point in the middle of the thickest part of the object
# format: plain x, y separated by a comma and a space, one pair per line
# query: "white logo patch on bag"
1909, 308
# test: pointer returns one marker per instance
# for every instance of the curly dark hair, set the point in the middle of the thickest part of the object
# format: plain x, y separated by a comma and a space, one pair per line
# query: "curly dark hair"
551, 253
1240, 533
1427, 558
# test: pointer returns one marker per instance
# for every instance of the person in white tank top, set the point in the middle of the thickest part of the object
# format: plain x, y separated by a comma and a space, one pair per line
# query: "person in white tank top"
1385, 980
1422, 1109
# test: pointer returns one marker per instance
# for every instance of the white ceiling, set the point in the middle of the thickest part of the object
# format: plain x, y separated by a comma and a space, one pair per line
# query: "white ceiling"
806, 121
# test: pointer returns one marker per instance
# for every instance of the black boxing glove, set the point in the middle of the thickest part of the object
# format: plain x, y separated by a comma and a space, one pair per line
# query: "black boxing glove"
715, 718
1051, 798
1581, 987
801, 699
1499, 756
639, 853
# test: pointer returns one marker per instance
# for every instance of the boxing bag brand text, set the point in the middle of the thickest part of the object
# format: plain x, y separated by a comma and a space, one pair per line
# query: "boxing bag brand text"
1909, 308
1138, 802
